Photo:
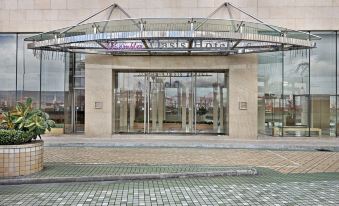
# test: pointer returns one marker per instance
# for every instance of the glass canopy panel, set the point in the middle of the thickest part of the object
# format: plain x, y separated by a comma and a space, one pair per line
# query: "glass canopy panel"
163, 34
175, 24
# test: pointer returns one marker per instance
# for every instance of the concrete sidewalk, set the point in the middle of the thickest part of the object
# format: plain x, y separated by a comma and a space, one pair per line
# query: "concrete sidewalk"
195, 141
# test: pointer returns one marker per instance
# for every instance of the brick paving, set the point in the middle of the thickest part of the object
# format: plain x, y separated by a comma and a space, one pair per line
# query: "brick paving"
269, 188
285, 178
87, 170
282, 161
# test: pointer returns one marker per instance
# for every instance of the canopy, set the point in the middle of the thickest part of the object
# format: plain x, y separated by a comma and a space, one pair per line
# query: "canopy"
171, 36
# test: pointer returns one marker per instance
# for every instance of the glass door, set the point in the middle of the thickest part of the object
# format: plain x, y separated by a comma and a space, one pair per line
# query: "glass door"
170, 102
130, 103
79, 110
210, 103
75, 94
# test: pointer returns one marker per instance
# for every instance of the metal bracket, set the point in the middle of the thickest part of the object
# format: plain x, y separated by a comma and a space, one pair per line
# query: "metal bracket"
228, 5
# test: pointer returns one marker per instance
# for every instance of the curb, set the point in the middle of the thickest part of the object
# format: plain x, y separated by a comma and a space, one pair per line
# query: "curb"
234, 172
287, 147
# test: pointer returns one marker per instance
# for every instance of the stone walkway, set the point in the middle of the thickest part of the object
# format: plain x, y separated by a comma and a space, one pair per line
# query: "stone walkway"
284, 177
282, 161
269, 188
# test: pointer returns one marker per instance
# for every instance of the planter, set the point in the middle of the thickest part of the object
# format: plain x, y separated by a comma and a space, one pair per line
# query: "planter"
18, 160
55, 132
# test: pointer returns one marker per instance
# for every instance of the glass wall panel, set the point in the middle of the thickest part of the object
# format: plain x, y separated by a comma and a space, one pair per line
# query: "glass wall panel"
21, 76
129, 102
53, 86
210, 102
163, 102
270, 111
337, 98
74, 102
296, 90
323, 85
69, 93
79, 93
7, 71
171, 102
28, 72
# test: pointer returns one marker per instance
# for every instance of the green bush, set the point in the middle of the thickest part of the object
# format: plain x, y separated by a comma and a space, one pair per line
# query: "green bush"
25, 123
9, 137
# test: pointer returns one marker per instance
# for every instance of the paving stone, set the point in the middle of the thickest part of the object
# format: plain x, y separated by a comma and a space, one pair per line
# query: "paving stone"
269, 188
283, 161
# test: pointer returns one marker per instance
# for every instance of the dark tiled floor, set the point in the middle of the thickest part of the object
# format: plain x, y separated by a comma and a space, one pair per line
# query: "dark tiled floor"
268, 188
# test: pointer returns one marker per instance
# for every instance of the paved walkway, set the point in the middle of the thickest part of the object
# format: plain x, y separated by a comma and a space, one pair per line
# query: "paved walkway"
282, 161
196, 141
286, 177
271, 188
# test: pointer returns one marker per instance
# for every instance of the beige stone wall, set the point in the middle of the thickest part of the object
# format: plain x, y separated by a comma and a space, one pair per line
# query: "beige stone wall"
98, 88
242, 86
44, 15
17, 160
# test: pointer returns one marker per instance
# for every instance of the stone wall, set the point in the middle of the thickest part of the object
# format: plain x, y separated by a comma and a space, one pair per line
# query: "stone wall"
44, 15
98, 88
242, 86
17, 160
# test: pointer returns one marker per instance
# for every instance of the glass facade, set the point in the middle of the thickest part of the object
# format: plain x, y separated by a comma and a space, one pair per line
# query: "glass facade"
178, 102
8, 81
298, 90
42, 77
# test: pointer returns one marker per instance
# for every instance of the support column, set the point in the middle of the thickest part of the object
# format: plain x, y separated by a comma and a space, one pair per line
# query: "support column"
154, 110
190, 112
221, 114
183, 110
123, 110
98, 88
132, 109
215, 109
161, 96
243, 88
113, 103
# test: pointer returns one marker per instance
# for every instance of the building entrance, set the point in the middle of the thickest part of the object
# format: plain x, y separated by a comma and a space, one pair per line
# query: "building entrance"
170, 102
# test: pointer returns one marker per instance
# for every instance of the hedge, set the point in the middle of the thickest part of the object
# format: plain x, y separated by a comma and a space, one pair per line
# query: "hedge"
10, 137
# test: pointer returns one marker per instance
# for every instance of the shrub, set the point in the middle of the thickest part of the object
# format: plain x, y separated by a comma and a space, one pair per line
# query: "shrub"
8, 137
29, 123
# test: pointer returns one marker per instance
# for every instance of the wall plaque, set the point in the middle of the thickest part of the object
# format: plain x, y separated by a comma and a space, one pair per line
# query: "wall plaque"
243, 105
98, 105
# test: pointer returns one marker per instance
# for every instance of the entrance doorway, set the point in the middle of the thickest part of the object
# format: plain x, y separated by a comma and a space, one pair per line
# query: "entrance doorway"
170, 102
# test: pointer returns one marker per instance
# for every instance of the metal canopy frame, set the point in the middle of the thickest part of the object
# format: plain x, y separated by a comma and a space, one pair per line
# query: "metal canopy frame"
171, 36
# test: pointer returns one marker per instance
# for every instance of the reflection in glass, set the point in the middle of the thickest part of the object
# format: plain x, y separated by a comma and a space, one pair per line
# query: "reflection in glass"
296, 89
28, 72
74, 103
79, 110
306, 103
179, 102
129, 102
52, 88
7, 71
211, 101
323, 84
170, 100
270, 113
